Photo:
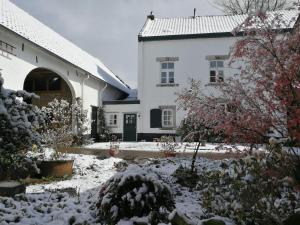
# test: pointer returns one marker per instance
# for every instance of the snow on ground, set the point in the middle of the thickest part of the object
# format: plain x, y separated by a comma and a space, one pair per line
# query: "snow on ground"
74, 201
90, 172
63, 202
155, 146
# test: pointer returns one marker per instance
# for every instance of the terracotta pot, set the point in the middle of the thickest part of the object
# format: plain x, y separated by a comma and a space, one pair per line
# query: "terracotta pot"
56, 168
113, 152
169, 154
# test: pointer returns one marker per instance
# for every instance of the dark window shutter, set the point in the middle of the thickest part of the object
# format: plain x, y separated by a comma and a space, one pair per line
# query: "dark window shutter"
155, 118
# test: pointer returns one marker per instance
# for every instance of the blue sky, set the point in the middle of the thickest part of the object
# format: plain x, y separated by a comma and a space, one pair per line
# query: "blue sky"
108, 29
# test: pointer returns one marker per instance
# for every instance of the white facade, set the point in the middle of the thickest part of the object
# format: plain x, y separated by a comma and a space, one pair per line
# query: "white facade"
171, 51
27, 45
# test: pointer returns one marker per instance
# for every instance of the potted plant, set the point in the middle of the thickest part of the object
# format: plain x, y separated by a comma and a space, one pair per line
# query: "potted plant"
114, 146
19, 123
168, 146
57, 137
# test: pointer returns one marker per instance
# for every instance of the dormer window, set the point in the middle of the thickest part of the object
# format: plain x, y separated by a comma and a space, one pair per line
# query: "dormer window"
216, 72
167, 73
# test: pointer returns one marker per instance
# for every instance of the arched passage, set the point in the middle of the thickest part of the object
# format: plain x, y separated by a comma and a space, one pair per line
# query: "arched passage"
48, 85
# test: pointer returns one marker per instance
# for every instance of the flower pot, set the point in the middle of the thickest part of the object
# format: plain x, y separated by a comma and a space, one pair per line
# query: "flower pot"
113, 152
56, 168
11, 188
169, 154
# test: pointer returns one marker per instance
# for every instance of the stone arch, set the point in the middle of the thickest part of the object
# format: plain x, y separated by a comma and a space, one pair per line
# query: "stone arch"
49, 85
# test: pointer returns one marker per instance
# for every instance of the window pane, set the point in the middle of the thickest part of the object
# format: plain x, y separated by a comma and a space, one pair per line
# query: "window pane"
221, 75
220, 64
171, 65
164, 65
163, 77
54, 84
171, 77
213, 64
212, 76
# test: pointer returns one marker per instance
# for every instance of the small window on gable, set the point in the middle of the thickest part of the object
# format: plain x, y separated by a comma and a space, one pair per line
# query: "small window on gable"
167, 73
112, 120
216, 71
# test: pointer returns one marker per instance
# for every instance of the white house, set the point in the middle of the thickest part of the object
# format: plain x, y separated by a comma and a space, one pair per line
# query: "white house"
170, 51
35, 58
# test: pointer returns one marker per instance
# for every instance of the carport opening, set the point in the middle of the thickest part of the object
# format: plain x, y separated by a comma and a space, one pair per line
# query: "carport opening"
48, 85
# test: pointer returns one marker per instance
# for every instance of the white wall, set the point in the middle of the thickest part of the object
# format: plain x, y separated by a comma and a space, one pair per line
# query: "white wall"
192, 63
16, 68
120, 110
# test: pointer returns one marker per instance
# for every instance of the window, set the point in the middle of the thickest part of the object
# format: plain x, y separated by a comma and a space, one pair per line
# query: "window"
7, 47
167, 73
167, 118
216, 71
112, 120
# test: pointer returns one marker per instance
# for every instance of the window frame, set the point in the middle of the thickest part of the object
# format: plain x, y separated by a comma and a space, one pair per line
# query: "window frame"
170, 119
112, 120
216, 72
167, 78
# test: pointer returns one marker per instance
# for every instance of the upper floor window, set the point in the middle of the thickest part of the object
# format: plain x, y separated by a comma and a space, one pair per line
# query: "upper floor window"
167, 118
7, 47
216, 71
167, 73
112, 120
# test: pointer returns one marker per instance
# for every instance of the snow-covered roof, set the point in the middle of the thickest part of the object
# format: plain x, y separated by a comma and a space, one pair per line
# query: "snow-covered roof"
23, 24
199, 26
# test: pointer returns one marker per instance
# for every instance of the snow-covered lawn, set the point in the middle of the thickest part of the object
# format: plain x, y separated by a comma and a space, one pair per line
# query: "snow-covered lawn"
155, 146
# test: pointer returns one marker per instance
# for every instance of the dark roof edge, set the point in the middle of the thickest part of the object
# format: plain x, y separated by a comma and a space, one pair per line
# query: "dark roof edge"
193, 36
121, 102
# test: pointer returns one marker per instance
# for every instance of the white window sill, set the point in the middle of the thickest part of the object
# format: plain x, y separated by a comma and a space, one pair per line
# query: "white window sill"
112, 126
167, 85
214, 83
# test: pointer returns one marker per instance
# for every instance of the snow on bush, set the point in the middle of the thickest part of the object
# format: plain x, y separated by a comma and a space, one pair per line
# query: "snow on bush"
137, 193
249, 191
58, 130
81, 124
19, 124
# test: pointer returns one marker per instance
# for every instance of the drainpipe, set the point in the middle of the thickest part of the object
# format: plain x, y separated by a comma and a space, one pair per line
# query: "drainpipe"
100, 94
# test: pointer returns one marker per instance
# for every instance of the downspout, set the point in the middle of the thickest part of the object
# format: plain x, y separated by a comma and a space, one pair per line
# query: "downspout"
100, 94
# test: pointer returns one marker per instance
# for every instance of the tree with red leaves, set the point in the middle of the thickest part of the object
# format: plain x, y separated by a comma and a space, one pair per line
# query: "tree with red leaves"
264, 97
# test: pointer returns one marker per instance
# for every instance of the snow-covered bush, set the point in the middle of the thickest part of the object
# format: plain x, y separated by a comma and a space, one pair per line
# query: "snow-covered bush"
19, 124
58, 131
136, 192
104, 132
81, 124
168, 144
251, 191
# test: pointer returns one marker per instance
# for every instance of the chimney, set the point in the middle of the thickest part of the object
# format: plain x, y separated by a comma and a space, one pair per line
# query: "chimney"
195, 13
151, 16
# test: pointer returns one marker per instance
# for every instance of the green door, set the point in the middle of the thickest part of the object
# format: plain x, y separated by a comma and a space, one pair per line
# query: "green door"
129, 132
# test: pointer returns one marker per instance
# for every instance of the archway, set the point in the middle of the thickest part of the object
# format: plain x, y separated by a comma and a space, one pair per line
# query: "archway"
48, 85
